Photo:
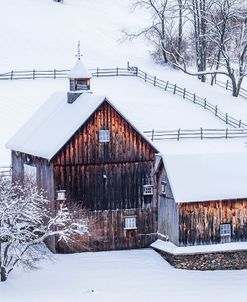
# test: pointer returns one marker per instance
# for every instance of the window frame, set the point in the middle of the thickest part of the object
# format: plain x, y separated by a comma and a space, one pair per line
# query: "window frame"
130, 223
104, 136
163, 187
148, 190
225, 232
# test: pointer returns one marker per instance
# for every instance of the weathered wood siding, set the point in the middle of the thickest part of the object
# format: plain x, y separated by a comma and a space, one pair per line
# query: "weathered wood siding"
199, 222
106, 229
105, 175
167, 209
44, 171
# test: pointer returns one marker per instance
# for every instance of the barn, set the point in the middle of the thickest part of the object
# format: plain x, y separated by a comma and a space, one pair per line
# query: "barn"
81, 145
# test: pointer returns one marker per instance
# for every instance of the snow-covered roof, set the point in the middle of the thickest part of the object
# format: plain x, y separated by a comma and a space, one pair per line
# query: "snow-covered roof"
53, 124
207, 176
79, 71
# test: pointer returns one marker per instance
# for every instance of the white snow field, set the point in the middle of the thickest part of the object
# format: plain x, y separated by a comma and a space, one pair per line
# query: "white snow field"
136, 276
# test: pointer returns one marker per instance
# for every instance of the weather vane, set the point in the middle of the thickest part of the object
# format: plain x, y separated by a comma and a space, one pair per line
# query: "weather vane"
79, 51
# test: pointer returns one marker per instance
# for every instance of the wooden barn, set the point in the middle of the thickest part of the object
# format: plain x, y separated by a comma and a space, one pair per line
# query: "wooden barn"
202, 197
80, 144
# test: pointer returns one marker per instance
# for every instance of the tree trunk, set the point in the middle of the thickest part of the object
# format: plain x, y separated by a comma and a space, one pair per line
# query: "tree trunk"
3, 274
235, 90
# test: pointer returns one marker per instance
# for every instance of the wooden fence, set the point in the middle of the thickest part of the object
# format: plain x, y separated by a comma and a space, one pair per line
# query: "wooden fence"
62, 73
196, 133
228, 86
131, 71
5, 171
187, 95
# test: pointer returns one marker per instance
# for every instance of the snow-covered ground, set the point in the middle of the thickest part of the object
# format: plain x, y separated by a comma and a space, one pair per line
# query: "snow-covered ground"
136, 275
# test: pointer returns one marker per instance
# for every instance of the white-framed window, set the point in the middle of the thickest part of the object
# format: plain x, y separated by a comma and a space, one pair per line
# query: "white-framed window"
82, 225
104, 136
148, 190
30, 173
163, 187
225, 232
130, 223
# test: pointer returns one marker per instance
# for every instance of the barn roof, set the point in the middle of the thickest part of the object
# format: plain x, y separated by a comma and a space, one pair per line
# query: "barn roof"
209, 176
79, 71
55, 122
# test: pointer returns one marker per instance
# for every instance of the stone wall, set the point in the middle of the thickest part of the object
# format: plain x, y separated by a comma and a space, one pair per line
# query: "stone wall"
209, 261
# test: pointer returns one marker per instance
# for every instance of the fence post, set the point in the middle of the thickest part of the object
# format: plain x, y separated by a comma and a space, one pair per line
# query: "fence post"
136, 71
194, 97
145, 77
167, 83
184, 93
33, 74
11, 75
152, 139
216, 110
54, 74
178, 134
227, 84
128, 65
226, 118
154, 81
201, 133
226, 132
97, 72
239, 124
205, 103
175, 87
117, 71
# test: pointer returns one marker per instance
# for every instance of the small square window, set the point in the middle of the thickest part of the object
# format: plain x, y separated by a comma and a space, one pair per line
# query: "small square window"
104, 136
148, 190
225, 232
163, 187
130, 223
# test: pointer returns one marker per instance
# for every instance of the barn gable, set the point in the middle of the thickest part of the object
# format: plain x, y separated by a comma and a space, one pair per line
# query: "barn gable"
105, 175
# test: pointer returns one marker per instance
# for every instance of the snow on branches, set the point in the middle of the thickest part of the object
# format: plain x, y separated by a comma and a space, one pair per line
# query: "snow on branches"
27, 219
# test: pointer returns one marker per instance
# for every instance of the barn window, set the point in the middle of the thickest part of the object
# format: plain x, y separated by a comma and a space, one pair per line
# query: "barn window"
163, 187
82, 225
104, 136
130, 223
225, 232
148, 190
30, 173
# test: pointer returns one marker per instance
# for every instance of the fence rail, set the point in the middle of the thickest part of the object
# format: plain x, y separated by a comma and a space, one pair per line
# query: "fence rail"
185, 94
131, 71
228, 86
5, 171
196, 133
62, 73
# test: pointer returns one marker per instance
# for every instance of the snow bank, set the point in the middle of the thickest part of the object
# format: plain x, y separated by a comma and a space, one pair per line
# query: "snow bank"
171, 248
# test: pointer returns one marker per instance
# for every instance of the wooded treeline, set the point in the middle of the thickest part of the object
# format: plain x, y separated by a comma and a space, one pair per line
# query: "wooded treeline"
208, 34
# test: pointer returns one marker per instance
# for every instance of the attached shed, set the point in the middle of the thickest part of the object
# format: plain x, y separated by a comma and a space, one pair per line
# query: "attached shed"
204, 199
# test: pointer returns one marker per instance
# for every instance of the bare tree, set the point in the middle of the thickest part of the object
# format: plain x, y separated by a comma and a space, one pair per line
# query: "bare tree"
26, 221
227, 35
165, 30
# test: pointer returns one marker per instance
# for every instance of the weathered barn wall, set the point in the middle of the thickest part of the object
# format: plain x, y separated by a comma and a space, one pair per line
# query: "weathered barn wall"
167, 209
44, 171
106, 231
199, 222
105, 175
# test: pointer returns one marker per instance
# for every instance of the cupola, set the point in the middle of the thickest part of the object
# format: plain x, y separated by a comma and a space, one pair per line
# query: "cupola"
79, 79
